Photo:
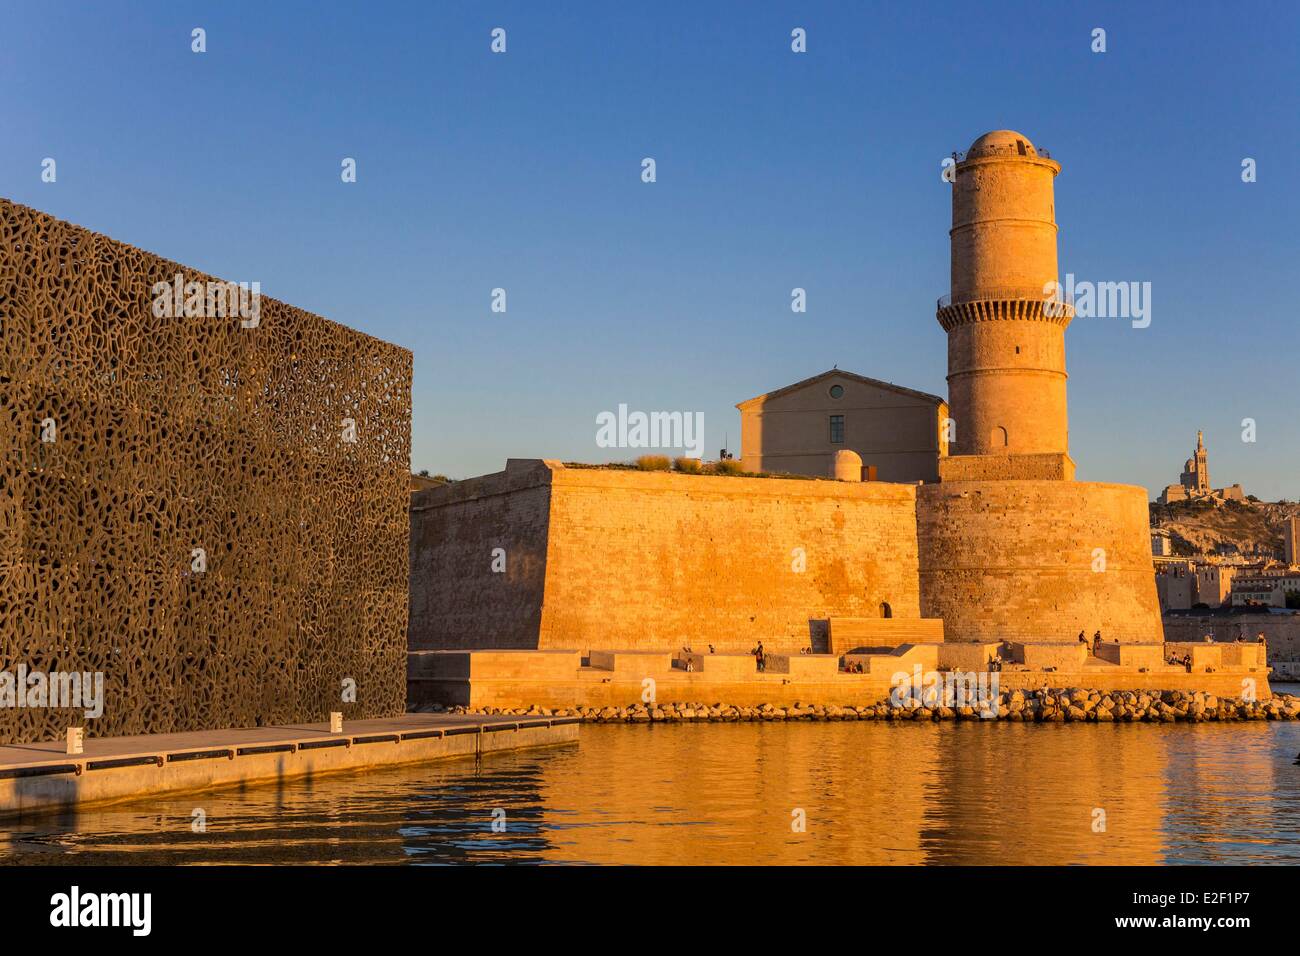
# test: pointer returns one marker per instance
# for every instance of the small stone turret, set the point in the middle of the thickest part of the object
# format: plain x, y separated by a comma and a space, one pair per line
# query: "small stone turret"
847, 466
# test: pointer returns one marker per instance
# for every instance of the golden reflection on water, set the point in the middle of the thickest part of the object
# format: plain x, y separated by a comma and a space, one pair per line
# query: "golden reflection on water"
871, 793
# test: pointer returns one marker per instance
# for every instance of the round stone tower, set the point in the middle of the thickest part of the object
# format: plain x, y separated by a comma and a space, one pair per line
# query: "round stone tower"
1010, 546
1004, 316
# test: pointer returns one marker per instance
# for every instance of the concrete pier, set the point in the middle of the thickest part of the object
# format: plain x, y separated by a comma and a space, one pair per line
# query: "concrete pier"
41, 776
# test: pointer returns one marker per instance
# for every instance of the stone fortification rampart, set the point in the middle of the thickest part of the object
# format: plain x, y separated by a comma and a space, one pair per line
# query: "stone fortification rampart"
1037, 561
459, 533
646, 560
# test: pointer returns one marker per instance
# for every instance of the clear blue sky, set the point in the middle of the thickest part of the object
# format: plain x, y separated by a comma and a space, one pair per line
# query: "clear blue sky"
775, 170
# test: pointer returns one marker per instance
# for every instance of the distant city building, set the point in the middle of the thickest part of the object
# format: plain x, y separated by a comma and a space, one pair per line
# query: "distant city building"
1213, 584
1194, 482
1175, 585
1291, 541
1161, 544
1184, 583
1267, 587
897, 432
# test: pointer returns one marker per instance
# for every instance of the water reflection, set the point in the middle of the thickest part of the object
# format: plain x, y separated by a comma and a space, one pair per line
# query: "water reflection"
871, 793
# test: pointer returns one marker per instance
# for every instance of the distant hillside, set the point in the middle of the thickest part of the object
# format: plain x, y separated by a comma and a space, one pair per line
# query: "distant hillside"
1197, 527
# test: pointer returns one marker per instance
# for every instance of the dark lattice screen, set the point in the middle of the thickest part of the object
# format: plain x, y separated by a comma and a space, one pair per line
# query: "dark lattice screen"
175, 435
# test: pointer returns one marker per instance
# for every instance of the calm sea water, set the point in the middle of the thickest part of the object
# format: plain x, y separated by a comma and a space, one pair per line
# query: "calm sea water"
968, 793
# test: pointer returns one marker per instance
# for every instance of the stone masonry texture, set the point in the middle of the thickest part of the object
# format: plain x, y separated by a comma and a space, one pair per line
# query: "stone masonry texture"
616, 559
1037, 561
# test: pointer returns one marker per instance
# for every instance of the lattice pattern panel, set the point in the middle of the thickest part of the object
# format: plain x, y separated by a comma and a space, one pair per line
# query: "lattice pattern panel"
199, 525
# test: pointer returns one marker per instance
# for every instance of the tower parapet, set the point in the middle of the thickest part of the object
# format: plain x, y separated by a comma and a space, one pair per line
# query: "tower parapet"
1004, 316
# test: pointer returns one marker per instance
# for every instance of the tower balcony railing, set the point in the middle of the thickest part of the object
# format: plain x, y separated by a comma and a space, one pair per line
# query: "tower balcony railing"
1060, 296
960, 155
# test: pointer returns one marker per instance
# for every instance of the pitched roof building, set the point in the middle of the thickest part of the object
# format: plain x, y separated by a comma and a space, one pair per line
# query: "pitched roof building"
798, 429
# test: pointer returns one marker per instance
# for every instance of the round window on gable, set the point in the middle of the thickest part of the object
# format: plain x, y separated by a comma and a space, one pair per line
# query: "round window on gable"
837, 391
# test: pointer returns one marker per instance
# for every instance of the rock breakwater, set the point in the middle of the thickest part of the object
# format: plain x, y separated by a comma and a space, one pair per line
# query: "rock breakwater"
1053, 705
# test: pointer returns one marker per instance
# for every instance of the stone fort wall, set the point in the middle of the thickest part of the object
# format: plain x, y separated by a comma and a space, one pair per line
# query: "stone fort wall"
618, 559
130, 441
1014, 560
457, 600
